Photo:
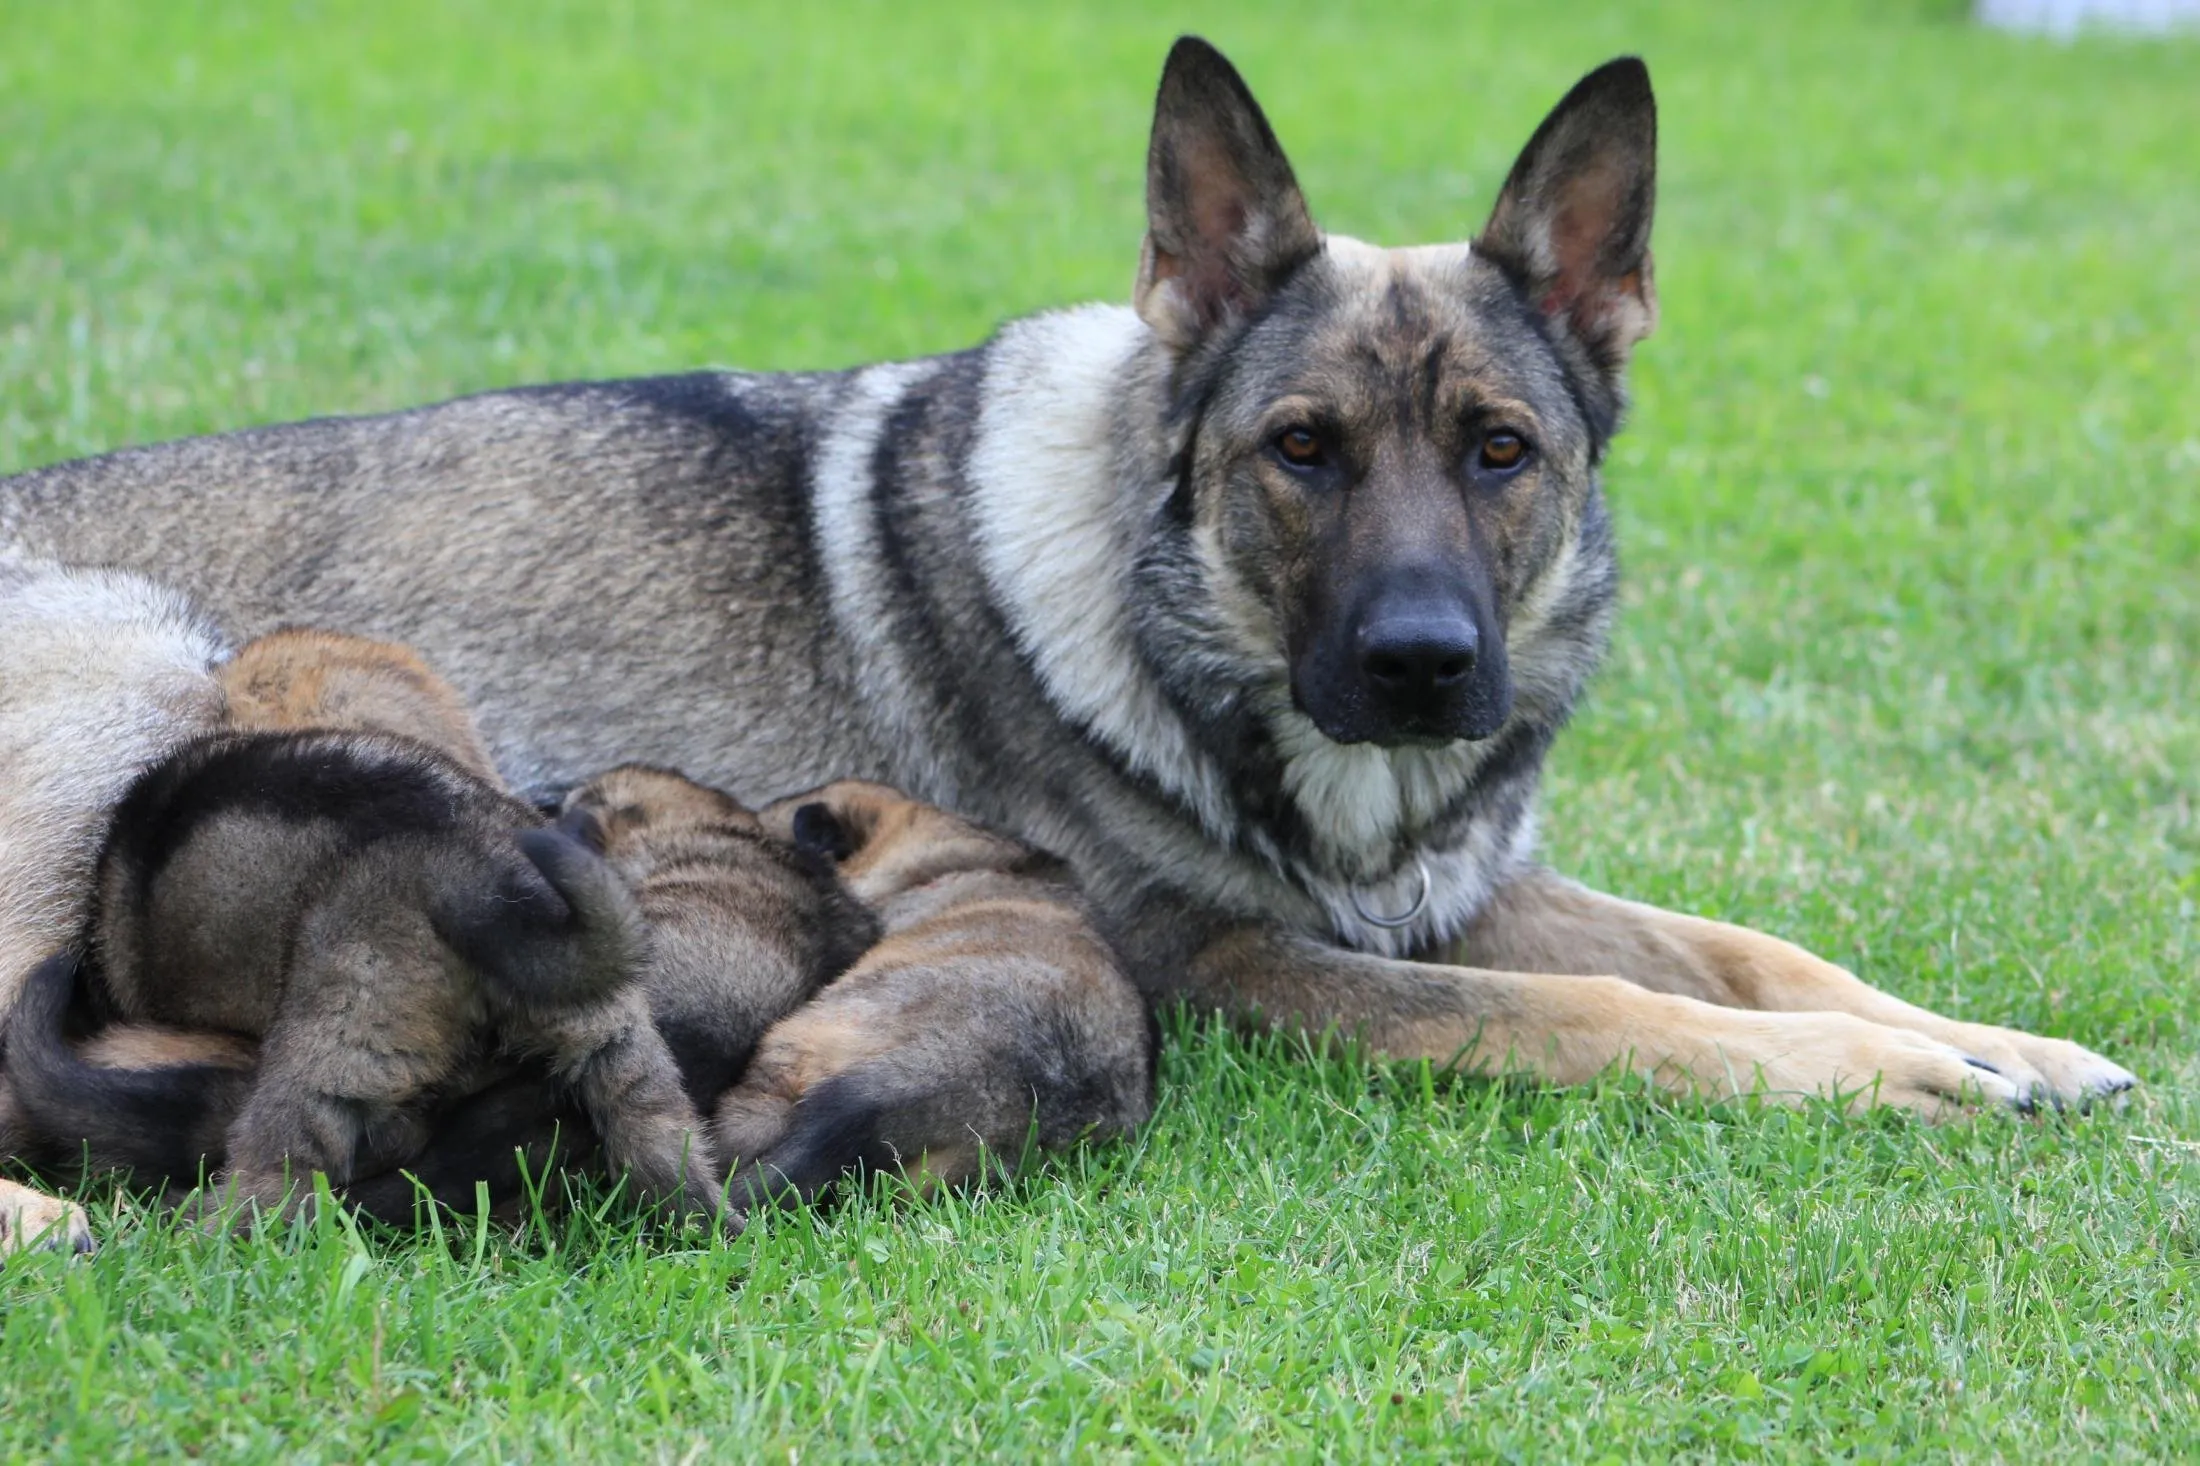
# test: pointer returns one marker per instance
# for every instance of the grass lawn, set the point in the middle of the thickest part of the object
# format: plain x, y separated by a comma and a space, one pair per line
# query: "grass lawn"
1908, 671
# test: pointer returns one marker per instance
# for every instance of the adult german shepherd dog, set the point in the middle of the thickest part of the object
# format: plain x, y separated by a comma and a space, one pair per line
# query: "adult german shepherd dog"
1261, 601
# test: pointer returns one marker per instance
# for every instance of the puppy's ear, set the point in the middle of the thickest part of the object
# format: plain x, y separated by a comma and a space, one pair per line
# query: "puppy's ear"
1225, 222
1572, 225
581, 824
818, 830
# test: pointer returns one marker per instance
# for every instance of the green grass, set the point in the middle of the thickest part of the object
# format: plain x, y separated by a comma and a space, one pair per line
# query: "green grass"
1907, 672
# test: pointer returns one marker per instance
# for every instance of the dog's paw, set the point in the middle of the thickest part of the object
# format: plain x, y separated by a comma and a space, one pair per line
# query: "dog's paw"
2053, 1071
1797, 1057
33, 1219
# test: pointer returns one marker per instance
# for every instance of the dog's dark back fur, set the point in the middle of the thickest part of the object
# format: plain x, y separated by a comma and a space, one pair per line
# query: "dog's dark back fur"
1063, 582
217, 855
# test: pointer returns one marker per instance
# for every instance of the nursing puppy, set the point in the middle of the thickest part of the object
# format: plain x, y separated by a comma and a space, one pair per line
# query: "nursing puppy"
991, 1016
102, 674
384, 922
743, 927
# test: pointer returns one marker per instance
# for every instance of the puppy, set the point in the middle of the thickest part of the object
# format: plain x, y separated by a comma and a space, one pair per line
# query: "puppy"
743, 927
991, 1014
383, 921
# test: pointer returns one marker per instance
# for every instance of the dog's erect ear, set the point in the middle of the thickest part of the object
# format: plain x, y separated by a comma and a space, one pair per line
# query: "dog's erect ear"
818, 830
1225, 222
1573, 222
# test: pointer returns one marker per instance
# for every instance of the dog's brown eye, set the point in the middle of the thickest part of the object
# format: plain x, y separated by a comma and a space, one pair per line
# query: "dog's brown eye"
1301, 448
1501, 451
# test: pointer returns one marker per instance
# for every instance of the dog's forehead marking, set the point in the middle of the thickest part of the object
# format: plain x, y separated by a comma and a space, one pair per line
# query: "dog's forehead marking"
1379, 265
1394, 307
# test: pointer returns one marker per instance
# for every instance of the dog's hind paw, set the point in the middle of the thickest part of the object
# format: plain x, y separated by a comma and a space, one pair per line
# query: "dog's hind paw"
33, 1219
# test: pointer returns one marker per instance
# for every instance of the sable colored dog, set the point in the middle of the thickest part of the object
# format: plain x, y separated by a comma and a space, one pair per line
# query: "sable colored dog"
991, 1015
742, 927
377, 917
1260, 600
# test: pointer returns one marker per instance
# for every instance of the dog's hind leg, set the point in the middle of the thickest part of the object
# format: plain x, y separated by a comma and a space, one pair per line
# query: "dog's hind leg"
930, 1069
1542, 922
33, 1219
628, 1083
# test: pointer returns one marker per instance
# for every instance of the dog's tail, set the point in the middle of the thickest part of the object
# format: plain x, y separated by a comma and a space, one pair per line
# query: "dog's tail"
556, 926
162, 1121
939, 1105
838, 1126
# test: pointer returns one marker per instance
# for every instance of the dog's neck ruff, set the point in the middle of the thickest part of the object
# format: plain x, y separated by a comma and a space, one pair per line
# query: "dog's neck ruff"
1405, 918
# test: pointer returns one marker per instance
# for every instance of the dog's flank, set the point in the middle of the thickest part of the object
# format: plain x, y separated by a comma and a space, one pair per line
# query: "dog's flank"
990, 1017
102, 674
742, 927
1253, 599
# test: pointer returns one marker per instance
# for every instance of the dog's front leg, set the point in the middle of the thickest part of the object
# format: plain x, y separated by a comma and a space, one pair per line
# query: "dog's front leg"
1570, 1029
1542, 922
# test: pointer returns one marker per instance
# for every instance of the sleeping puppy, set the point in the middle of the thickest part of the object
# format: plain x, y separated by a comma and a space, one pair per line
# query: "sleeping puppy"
388, 926
743, 927
992, 1014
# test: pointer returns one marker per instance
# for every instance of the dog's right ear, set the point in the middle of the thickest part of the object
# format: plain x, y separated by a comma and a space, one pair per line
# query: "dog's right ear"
1225, 222
819, 831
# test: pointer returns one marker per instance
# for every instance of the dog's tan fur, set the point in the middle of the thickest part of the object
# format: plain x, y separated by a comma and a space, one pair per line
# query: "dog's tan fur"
990, 1015
1701, 1008
33, 1219
302, 677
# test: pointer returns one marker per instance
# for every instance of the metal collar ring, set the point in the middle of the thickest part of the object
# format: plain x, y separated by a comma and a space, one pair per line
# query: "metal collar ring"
1412, 913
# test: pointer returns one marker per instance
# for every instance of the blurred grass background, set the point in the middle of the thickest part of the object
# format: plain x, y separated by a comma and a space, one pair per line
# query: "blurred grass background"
1907, 672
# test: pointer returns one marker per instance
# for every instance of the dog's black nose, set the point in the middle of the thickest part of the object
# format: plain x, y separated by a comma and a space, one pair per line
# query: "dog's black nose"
1415, 659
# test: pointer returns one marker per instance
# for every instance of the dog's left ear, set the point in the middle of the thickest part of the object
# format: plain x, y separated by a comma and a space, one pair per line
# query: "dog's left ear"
1225, 222
1572, 224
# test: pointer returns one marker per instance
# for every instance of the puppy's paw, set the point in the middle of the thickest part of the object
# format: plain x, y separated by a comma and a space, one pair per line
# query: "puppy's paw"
242, 1202
31, 1219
